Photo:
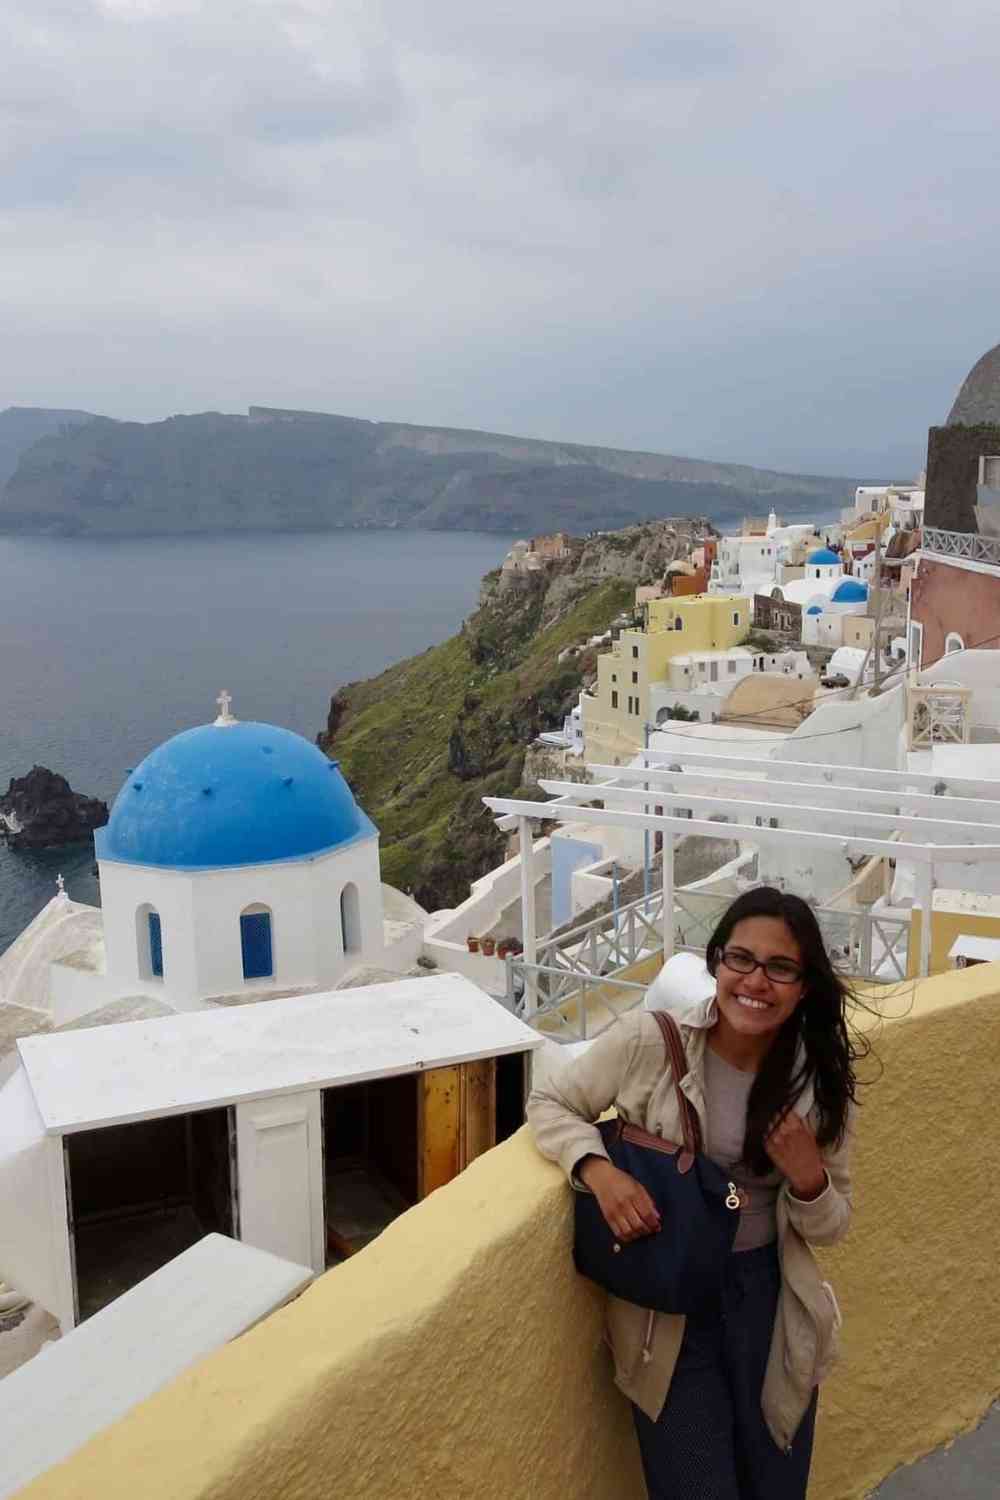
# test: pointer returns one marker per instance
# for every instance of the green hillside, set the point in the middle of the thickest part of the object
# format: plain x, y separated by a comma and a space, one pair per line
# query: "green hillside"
423, 743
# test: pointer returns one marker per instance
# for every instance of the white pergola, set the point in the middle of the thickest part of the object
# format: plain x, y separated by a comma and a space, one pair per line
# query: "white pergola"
930, 821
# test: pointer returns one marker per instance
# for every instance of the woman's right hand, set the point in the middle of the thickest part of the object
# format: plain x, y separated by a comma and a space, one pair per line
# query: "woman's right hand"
628, 1210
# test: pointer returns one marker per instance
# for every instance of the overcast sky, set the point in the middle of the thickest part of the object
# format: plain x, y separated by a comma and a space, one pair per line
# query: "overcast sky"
740, 230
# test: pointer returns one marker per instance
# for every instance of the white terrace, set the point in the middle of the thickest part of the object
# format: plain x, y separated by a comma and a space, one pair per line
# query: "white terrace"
946, 830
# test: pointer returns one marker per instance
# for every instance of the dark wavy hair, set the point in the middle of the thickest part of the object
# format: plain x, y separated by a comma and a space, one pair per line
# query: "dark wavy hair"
819, 1022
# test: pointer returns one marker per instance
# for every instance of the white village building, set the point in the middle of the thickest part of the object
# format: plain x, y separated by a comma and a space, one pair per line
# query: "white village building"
236, 865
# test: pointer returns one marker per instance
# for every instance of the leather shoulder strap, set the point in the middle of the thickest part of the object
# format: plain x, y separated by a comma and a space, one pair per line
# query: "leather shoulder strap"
674, 1045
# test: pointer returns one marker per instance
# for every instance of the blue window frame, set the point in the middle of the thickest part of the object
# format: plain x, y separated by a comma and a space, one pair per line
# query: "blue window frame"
255, 940
155, 945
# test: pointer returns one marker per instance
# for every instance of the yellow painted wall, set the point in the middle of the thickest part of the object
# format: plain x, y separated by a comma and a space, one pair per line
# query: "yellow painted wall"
460, 1356
867, 531
709, 622
945, 928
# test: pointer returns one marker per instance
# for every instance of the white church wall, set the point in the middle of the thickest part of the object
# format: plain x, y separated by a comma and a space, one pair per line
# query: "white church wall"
60, 928
200, 924
74, 992
125, 890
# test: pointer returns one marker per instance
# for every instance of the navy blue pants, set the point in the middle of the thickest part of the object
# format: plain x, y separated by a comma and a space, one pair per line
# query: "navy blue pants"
711, 1441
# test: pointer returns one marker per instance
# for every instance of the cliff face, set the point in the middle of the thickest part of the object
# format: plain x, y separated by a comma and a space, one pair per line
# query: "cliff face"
280, 471
424, 742
22, 426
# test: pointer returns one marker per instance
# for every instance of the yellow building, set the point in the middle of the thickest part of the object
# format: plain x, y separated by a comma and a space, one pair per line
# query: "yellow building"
615, 716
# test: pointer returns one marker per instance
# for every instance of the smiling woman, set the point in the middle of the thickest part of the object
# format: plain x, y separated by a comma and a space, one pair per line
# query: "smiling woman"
725, 1401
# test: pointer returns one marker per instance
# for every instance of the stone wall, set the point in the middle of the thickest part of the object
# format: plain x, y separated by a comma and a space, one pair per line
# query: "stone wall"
953, 455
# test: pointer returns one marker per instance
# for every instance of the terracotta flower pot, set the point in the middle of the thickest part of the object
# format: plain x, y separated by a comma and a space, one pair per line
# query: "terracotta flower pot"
473, 944
489, 946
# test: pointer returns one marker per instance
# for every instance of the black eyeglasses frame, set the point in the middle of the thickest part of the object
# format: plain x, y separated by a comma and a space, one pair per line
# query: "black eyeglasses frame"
756, 963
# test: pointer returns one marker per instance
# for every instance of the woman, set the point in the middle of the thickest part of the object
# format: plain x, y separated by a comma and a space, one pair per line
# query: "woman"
724, 1406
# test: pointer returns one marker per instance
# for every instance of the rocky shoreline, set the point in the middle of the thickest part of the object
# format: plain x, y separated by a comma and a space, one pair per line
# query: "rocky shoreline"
41, 811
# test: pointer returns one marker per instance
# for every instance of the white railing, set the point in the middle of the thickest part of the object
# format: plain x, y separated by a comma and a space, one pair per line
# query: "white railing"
575, 970
970, 544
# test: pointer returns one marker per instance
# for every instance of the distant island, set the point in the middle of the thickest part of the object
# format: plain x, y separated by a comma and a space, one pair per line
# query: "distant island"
68, 473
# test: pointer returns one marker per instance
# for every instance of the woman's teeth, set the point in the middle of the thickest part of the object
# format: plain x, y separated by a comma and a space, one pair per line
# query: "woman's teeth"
752, 1004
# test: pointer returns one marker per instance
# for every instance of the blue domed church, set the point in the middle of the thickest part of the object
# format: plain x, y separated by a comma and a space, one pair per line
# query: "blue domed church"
236, 862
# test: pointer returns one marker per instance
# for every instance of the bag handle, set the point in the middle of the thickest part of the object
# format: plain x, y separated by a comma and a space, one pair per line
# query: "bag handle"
672, 1041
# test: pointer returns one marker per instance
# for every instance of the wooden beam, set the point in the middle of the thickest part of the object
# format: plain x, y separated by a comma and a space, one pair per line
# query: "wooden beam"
439, 1128
478, 1108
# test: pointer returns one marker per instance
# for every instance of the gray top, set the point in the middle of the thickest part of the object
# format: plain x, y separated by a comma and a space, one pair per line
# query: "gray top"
727, 1090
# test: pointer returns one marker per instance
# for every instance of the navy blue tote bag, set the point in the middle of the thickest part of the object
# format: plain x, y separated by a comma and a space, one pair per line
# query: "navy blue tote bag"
679, 1269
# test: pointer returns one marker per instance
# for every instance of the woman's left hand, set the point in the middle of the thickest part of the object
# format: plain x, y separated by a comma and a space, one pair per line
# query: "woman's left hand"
792, 1147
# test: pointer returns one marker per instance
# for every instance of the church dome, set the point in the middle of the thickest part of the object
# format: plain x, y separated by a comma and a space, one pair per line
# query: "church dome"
814, 609
822, 557
851, 591
231, 793
979, 398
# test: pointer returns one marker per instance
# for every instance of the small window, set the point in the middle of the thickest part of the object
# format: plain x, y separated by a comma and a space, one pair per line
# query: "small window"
635, 678
614, 677
736, 617
989, 471
614, 698
953, 642
732, 667
155, 945
255, 941
350, 918
678, 623
635, 652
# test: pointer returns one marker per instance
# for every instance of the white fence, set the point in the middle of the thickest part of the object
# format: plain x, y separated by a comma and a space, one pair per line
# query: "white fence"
577, 967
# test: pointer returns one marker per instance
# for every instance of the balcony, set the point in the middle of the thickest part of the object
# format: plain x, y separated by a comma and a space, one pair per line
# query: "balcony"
967, 544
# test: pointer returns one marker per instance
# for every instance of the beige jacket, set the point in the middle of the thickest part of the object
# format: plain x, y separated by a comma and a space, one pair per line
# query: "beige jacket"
626, 1067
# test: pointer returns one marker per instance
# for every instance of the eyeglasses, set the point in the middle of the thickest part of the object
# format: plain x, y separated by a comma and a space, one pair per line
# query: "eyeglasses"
778, 970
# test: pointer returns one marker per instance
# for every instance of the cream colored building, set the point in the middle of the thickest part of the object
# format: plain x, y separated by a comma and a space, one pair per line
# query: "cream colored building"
696, 626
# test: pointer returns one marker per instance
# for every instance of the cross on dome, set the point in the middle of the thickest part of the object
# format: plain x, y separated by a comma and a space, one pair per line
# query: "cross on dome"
60, 884
224, 700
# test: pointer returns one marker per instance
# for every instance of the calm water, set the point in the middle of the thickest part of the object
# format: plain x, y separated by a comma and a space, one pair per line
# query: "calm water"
108, 648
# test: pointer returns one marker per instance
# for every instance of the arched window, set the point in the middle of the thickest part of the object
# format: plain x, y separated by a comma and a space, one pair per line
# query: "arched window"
350, 918
678, 623
149, 942
255, 942
953, 642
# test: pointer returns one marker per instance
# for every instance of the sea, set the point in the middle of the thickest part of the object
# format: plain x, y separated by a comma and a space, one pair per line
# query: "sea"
107, 648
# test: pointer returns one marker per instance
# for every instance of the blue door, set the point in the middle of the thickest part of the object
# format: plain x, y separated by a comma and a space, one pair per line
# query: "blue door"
155, 945
255, 938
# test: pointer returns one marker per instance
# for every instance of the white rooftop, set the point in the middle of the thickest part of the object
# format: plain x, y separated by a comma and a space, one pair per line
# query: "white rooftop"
144, 1069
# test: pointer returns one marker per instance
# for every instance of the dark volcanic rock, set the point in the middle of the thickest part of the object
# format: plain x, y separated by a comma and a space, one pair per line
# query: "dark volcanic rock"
41, 811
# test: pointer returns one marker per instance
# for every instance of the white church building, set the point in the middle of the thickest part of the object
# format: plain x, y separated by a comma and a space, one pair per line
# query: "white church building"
236, 865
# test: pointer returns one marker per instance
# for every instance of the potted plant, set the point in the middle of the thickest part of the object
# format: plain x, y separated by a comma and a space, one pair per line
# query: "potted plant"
504, 947
489, 946
473, 943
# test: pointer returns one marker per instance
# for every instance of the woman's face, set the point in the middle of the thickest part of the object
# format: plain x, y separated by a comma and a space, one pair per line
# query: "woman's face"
757, 1003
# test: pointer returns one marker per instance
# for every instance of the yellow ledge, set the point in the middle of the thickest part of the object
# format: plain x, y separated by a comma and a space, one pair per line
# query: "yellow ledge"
460, 1355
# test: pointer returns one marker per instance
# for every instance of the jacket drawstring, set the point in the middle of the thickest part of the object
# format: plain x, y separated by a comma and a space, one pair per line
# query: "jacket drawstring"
647, 1343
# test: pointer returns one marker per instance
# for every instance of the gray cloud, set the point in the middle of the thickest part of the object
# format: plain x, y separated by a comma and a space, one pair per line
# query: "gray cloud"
768, 233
